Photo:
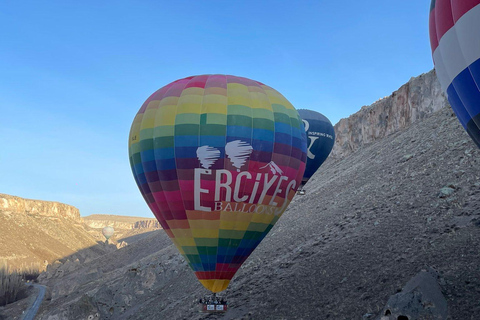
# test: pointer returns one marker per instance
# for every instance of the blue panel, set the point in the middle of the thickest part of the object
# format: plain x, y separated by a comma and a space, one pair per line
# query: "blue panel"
239, 131
164, 153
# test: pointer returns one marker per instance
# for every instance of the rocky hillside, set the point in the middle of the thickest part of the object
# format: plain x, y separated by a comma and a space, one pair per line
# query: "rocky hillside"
414, 101
368, 223
34, 232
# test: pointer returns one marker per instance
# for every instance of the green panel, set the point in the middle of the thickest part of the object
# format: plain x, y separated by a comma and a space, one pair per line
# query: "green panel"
281, 117
242, 121
252, 235
255, 226
146, 133
233, 234
216, 118
213, 129
279, 108
163, 131
193, 258
262, 113
259, 123
232, 243
208, 251
190, 250
206, 242
187, 129
187, 118
239, 110
164, 142
146, 144
136, 158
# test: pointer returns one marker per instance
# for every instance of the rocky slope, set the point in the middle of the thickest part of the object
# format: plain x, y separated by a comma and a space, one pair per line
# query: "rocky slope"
414, 101
36, 233
368, 223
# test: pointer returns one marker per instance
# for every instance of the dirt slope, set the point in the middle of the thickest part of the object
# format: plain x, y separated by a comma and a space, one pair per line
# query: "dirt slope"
367, 224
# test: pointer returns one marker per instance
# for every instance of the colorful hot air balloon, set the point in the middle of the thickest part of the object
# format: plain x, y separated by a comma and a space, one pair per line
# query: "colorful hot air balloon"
108, 232
217, 158
320, 140
455, 42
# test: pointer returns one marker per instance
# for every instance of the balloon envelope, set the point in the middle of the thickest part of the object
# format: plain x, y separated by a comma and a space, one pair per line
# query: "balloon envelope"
108, 232
455, 41
217, 158
320, 140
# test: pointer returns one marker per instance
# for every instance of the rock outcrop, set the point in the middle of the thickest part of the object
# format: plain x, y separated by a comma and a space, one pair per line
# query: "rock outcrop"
414, 100
16, 205
98, 221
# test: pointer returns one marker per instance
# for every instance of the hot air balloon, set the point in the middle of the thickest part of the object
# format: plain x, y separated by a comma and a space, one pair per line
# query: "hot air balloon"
107, 232
217, 158
455, 41
320, 140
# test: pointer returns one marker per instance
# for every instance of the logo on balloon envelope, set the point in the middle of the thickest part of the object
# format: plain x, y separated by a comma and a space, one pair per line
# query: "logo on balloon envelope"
313, 136
226, 187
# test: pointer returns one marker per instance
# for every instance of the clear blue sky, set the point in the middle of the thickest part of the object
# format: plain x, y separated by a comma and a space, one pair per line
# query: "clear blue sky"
73, 74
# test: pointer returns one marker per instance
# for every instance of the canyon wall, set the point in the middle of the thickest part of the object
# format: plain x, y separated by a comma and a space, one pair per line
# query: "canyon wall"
414, 100
15, 205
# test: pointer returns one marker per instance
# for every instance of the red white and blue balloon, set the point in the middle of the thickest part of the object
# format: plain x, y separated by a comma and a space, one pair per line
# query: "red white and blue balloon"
455, 41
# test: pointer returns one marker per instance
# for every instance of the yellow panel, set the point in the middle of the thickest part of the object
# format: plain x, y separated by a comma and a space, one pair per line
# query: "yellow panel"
148, 121
182, 233
205, 233
135, 131
184, 242
234, 225
239, 100
192, 91
204, 224
215, 285
166, 115
190, 98
154, 104
263, 218
235, 216
235, 87
214, 98
169, 101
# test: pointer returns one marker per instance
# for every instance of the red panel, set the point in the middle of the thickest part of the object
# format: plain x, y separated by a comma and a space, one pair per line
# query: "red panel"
433, 32
460, 7
443, 17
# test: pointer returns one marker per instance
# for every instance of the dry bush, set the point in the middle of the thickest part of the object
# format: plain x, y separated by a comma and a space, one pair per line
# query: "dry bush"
12, 282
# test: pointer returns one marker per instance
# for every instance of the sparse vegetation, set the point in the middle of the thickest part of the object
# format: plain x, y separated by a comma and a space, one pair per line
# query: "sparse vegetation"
12, 282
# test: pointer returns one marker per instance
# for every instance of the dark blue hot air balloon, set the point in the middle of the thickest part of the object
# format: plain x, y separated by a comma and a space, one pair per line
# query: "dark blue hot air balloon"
320, 140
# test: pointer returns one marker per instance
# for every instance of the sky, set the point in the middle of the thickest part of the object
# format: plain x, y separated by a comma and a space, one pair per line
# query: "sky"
73, 74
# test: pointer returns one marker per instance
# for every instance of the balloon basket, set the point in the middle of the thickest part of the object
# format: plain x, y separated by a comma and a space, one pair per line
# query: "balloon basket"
213, 305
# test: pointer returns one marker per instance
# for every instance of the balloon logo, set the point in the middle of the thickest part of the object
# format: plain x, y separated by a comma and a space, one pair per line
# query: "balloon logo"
455, 41
321, 138
107, 232
217, 158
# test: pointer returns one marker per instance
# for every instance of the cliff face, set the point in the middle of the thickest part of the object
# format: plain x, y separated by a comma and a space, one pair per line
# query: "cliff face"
16, 205
412, 102
98, 221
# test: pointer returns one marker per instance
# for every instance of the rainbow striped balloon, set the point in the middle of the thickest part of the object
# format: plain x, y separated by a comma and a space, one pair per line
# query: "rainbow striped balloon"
218, 158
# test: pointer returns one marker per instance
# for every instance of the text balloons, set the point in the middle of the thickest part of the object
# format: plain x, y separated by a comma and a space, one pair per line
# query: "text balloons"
217, 158
108, 232
320, 140
455, 42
